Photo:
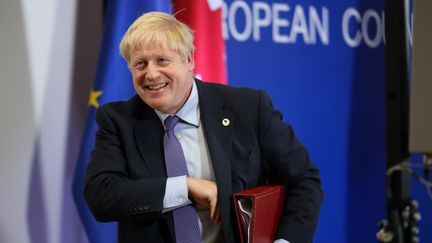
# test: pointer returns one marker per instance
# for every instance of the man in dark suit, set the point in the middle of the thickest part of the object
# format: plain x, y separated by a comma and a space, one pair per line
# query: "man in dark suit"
232, 139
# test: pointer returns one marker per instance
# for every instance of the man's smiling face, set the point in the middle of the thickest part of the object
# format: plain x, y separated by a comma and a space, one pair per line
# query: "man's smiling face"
161, 77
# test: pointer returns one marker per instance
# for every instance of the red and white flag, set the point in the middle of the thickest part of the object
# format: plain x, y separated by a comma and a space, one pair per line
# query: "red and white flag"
204, 17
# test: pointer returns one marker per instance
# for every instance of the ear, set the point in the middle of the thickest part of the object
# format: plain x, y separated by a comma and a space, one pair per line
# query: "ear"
190, 61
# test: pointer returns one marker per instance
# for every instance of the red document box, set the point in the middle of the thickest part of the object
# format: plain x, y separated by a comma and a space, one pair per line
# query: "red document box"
258, 212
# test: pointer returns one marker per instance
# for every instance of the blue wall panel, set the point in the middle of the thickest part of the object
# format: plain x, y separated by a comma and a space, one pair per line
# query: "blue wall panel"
332, 92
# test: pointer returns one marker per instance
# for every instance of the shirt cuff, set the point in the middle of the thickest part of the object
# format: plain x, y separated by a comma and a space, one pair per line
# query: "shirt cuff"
176, 193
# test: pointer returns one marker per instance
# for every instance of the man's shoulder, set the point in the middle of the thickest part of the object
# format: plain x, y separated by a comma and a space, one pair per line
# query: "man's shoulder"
228, 90
134, 107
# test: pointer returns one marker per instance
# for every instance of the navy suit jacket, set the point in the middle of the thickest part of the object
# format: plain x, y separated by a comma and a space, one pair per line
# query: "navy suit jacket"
126, 176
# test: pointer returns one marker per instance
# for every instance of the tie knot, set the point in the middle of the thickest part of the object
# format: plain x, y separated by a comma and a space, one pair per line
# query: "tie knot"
171, 122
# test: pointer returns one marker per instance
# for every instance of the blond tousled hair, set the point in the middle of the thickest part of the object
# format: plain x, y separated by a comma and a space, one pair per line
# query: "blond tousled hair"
160, 30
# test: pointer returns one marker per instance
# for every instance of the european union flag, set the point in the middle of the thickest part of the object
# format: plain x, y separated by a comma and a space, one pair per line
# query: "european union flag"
113, 82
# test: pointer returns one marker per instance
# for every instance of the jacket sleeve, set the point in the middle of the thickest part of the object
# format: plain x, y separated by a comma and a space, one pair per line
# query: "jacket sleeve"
109, 191
287, 162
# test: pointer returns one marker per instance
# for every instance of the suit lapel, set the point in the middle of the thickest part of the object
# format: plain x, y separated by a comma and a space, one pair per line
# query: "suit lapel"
148, 136
218, 128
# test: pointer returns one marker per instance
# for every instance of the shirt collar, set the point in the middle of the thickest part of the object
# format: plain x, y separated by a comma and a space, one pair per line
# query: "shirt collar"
189, 112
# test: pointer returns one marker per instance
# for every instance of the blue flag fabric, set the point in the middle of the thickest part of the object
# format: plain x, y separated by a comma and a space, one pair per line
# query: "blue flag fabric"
113, 82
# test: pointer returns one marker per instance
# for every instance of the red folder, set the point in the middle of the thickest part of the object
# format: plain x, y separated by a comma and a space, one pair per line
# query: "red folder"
258, 212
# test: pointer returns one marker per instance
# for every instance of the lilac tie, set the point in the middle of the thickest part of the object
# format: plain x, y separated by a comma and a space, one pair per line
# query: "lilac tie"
185, 218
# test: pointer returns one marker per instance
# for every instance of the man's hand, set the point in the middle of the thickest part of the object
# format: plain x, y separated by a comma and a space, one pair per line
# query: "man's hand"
204, 192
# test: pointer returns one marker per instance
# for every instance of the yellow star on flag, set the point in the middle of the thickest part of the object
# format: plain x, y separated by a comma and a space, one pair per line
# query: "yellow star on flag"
93, 100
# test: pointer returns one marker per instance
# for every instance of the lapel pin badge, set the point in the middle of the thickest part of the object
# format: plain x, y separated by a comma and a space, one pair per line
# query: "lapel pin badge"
225, 122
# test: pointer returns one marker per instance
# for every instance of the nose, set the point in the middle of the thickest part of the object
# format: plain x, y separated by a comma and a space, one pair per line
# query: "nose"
152, 72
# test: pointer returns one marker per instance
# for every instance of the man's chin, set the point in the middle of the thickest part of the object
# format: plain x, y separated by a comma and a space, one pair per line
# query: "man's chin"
159, 107
153, 100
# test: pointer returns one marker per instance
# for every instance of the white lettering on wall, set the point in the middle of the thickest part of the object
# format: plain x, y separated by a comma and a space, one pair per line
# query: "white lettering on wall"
282, 23
370, 18
352, 41
320, 26
243, 21
299, 25
232, 12
279, 22
259, 21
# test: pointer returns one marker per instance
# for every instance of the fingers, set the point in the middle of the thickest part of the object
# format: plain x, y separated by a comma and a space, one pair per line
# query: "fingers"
204, 192
216, 215
212, 212
215, 211
201, 191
